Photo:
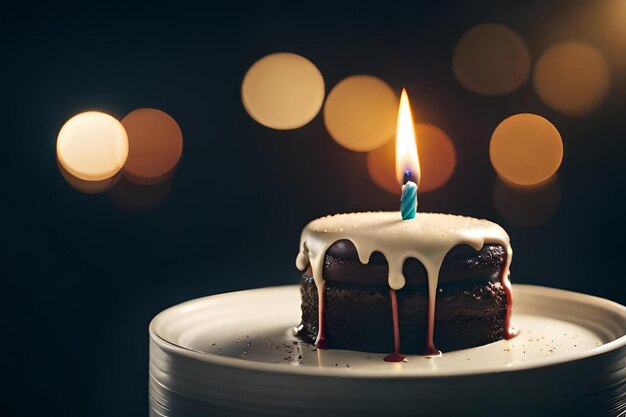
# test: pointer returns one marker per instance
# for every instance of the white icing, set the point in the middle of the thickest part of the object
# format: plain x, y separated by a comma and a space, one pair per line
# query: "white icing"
428, 238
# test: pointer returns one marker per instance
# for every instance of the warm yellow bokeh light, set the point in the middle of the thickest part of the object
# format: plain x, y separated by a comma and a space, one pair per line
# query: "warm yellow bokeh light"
526, 149
528, 206
92, 146
381, 167
406, 149
360, 113
155, 145
491, 59
88, 187
437, 159
572, 77
283, 91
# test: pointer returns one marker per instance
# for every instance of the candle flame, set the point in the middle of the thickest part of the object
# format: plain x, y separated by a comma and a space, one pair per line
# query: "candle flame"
407, 162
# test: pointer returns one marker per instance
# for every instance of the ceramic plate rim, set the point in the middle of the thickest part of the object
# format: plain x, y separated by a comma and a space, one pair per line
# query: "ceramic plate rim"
225, 361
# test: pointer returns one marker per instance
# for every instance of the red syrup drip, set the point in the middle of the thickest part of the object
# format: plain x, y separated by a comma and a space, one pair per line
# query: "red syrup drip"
320, 341
430, 350
396, 356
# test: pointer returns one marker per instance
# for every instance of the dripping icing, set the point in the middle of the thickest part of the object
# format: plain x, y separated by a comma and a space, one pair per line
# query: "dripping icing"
428, 238
396, 356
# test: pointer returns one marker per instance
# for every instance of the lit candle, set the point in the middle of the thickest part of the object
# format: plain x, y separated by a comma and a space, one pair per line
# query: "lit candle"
407, 162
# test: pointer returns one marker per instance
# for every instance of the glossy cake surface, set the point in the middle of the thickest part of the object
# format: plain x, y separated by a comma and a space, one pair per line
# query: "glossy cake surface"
375, 282
470, 308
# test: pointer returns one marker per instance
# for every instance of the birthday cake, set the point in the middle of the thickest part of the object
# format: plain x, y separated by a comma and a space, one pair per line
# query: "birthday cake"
374, 282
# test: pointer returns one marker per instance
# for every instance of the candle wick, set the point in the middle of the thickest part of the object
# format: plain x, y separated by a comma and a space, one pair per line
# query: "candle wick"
407, 176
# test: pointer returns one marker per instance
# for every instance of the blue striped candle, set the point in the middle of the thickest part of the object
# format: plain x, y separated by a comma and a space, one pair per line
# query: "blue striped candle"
408, 201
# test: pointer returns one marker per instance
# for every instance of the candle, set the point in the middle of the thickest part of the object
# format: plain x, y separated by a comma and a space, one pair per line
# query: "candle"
408, 200
407, 162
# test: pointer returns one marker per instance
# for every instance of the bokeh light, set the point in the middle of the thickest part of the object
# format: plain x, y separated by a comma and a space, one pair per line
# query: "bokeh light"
89, 187
491, 59
572, 77
527, 207
283, 91
360, 113
526, 149
92, 146
437, 160
381, 164
155, 145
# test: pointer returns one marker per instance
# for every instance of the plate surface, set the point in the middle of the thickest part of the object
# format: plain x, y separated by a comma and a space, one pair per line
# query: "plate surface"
236, 353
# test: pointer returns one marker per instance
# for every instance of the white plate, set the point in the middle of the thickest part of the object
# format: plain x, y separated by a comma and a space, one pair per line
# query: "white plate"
235, 354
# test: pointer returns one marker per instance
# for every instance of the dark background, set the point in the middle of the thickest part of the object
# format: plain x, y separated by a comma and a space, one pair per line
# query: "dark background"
81, 276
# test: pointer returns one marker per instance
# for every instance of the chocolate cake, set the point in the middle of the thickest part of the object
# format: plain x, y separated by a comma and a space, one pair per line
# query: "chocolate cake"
359, 262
